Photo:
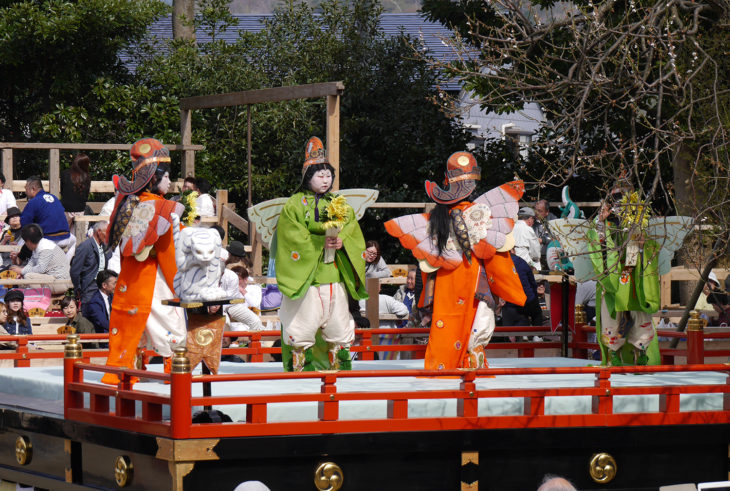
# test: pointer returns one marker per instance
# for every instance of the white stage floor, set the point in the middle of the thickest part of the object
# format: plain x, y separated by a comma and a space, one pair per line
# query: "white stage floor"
41, 389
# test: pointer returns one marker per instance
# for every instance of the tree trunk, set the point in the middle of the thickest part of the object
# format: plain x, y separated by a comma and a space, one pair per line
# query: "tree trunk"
183, 13
684, 201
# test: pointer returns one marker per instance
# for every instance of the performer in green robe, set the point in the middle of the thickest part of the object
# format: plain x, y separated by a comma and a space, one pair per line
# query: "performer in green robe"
627, 291
320, 260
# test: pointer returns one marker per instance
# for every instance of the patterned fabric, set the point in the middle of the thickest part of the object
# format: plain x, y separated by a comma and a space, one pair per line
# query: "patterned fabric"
460, 231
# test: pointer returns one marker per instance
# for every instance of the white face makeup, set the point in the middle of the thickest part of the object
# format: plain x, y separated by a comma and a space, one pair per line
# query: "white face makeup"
164, 185
321, 181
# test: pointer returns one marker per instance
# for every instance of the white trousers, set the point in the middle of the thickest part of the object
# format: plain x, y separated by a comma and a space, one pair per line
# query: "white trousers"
639, 335
166, 327
322, 307
483, 326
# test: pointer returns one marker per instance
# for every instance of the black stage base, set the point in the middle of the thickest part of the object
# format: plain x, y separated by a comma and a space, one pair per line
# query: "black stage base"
70, 456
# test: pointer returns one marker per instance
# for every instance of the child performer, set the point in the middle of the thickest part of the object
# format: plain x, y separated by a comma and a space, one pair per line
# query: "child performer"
462, 246
313, 223
142, 224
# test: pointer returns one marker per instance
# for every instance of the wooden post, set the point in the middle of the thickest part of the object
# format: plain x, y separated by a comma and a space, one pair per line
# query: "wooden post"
333, 137
257, 252
372, 304
8, 167
665, 291
54, 172
221, 200
188, 156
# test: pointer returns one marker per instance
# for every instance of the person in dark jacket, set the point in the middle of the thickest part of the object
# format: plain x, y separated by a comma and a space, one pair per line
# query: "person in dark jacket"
90, 259
98, 309
531, 313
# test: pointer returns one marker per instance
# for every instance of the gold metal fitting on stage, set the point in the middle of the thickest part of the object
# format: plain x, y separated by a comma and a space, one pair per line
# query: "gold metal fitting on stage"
123, 471
580, 315
180, 361
695, 322
602, 468
73, 347
328, 477
23, 450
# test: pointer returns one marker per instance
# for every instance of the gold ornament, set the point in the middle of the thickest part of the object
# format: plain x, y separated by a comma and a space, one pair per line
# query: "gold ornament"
23, 450
602, 468
328, 477
123, 470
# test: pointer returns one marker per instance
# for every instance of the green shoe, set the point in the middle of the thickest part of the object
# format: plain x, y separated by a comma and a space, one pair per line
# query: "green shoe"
614, 359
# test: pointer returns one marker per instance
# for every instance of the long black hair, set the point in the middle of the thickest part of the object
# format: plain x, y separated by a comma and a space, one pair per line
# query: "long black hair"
439, 225
312, 170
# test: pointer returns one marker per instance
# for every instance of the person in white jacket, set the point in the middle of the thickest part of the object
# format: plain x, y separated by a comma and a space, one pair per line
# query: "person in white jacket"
527, 245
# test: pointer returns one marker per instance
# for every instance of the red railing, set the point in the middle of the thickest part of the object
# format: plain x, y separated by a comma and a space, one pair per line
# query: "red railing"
366, 344
149, 419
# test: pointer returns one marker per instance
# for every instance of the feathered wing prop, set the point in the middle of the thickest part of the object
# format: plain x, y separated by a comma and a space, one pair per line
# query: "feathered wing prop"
669, 233
489, 222
573, 236
265, 215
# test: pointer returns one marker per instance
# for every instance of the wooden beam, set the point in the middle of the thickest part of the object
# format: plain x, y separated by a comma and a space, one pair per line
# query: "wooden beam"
221, 201
188, 156
54, 172
333, 137
275, 94
235, 219
88, 146
8, 167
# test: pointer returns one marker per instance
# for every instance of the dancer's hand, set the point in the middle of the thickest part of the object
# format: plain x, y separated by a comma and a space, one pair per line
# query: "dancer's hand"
333, 243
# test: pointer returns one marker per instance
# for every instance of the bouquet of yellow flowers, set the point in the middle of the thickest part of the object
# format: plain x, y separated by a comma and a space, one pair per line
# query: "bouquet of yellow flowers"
188, 199
634, 215
336, 214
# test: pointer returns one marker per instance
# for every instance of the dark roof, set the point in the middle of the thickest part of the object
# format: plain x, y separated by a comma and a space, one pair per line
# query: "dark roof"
413, 24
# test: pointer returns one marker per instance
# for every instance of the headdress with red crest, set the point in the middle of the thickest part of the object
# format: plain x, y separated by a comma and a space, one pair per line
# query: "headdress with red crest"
146, 155
462, 172
314, 153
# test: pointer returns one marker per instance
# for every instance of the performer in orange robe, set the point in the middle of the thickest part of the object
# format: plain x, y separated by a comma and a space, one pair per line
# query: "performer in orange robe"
462, 250
141, 224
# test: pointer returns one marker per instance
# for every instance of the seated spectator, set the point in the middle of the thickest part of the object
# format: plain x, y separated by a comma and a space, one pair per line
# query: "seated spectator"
388, 305
98, 308
375, 266
74, 319
47, 211
237, 255
542, 298
3, 332
7, 198
75, 187
204, 203
719, 301
530, 314
235, 282
585, 295
542, 229
527, 245
18, 322
47, 262
406, 294
90, 259
11, 233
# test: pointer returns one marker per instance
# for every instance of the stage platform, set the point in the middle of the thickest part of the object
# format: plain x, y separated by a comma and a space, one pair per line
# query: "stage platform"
41, 388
